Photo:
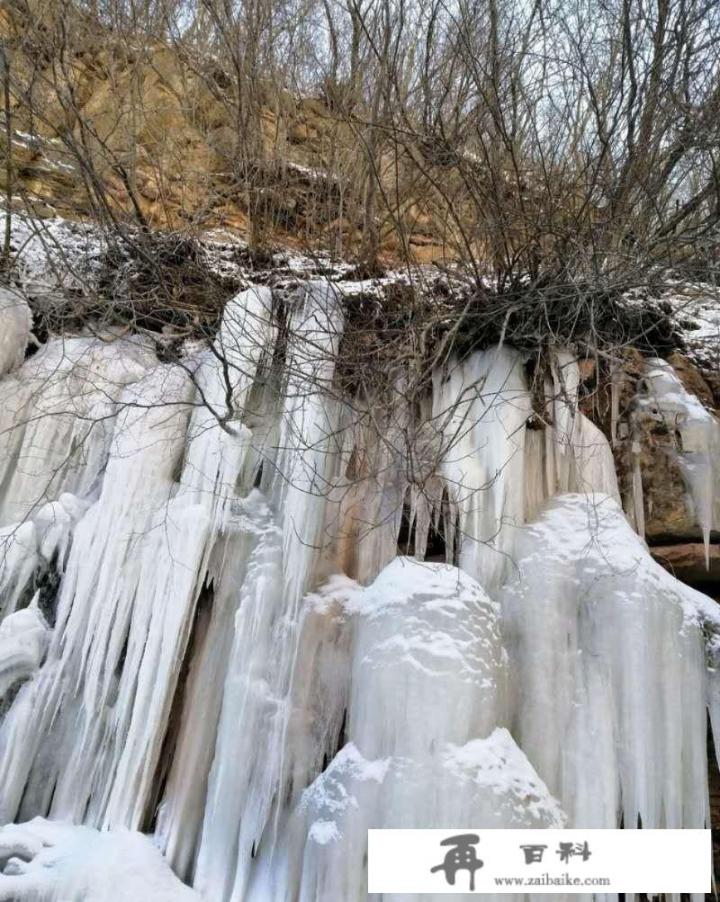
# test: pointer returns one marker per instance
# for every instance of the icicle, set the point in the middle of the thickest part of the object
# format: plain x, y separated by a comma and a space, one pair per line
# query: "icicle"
578, 456
56, 419
481, 407
638, 499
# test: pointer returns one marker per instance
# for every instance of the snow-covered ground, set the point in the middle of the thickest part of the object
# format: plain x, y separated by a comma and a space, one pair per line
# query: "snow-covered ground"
55, 862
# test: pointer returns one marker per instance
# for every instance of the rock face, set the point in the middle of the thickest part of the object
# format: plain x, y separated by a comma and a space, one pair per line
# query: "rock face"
688, 563
668, 448
165, 142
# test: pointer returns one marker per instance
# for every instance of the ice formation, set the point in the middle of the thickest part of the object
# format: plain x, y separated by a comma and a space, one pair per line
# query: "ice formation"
206, 632
23, 642
609, 668
427, 688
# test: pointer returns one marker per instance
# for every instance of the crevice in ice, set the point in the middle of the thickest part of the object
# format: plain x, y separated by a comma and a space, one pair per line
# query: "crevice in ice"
178, 713
406, 536
47, 585
10, 694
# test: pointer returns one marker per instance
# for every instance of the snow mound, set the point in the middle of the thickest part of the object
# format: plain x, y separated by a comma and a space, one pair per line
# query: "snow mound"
492, 776
488, 783
44, 861
426, 639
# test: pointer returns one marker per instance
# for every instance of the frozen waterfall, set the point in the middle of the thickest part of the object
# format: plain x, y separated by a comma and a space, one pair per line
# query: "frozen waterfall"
207, 633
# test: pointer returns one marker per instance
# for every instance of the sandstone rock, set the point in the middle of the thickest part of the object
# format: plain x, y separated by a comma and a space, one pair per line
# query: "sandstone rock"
652, 440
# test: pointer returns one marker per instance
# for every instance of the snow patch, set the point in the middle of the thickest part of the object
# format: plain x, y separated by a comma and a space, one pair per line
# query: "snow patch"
44, 861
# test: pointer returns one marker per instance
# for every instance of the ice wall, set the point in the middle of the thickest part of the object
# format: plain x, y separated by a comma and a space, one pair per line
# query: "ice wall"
480, 408
183, 650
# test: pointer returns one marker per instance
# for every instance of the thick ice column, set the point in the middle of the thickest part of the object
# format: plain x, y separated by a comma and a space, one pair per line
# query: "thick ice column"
480, 407
246, 770
248, 780
23, 641
424, 748
309, 444
115, 642
608, 656
231, 566
219, 447
428, 665
218, 437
